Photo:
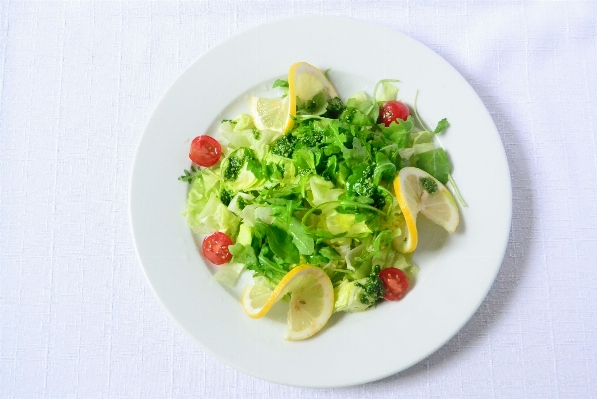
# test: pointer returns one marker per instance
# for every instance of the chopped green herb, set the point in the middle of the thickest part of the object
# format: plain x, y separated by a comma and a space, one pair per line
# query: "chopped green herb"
334, 108
373, 287
233, 168
284, 146
191, 175
428, 184
361, 183
226, 196
241, 203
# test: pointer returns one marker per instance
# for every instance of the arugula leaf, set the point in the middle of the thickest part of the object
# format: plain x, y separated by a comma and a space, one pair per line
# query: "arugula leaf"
382, 240
399, 131
359, 153
355, 116
371, 110
330, 168
335, 136
441, 126
281, 244
330, 253
305, 159
304, 243
283, 209
436, 163
271, 269
384, 168
373, 287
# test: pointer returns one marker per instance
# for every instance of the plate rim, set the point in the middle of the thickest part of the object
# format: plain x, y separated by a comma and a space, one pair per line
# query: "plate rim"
270, 24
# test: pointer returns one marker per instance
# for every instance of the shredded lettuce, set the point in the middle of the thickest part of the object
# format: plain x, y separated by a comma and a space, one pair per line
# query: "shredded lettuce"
323, 191
228, 273
348, 297
214, 216
387, 92
243, 122
205, 212
357, 99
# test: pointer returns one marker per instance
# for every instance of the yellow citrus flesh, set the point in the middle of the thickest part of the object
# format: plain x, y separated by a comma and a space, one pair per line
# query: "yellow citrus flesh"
257, 300
305, 81
439, 207
272, 113
311, 303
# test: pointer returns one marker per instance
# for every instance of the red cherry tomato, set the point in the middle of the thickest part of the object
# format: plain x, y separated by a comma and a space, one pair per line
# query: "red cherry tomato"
395, 283
392, 110
215, 248
205, 151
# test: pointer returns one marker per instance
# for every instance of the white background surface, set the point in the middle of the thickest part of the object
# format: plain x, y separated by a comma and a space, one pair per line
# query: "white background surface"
78, 319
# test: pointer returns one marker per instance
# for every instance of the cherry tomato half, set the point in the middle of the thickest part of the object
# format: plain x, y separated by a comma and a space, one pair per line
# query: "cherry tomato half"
392, 110
205, 151
395, 283
215, 248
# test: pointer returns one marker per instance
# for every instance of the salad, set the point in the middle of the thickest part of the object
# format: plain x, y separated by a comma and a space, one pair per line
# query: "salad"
318, 197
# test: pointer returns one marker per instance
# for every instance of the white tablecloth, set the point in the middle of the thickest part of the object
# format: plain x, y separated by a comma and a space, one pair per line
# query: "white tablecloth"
79, 80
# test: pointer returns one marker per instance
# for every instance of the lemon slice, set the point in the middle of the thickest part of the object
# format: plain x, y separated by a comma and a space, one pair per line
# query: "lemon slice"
257, 300
273, 113
311, 300
435, 202
305, 82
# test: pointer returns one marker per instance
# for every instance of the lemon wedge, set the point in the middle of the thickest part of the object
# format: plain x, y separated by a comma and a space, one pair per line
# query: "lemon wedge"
311, 300
272, 113
305, 82
418, 191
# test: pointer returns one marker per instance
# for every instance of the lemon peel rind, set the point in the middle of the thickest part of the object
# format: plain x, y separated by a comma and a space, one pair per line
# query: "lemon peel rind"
412, 239
411, 217
277, 293
286, 285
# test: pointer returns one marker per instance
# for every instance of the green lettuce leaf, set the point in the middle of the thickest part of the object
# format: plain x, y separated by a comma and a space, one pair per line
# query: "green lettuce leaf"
387, 92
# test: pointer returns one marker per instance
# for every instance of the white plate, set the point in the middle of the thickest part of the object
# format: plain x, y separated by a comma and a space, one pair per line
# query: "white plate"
456, 271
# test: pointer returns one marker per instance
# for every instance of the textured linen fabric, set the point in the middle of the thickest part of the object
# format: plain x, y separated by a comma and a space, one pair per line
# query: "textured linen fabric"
78, 82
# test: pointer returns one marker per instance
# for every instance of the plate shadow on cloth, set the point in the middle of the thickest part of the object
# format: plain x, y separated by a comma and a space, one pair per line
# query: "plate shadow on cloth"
515, 259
